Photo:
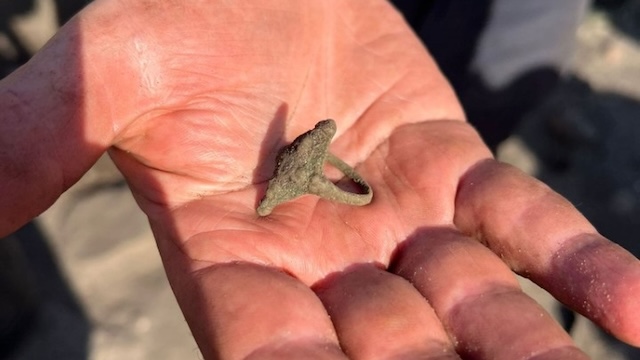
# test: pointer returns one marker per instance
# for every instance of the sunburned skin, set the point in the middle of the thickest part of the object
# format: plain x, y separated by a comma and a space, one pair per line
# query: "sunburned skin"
299, 171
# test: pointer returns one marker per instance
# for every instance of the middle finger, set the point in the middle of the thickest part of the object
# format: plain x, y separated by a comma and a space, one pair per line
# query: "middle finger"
478, 299
380, 315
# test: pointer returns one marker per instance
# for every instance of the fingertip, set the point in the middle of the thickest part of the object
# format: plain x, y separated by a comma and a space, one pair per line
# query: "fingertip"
600, 280
624, 322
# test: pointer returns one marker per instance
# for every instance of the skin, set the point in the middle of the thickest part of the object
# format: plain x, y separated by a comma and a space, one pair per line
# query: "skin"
190, 101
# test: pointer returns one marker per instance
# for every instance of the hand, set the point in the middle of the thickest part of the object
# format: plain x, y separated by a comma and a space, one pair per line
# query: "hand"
200, 98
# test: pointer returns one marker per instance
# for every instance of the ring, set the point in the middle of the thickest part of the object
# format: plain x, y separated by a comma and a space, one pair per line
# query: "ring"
299, 171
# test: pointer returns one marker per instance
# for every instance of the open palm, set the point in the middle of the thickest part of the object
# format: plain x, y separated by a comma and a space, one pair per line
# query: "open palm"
204, 96
201, 162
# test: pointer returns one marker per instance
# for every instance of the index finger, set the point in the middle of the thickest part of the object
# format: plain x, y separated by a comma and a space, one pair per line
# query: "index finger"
540, 235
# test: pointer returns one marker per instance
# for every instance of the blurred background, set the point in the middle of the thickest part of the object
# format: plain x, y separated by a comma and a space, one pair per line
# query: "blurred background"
84, 280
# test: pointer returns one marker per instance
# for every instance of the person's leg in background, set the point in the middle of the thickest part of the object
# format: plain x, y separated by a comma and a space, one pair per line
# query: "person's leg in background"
502, 57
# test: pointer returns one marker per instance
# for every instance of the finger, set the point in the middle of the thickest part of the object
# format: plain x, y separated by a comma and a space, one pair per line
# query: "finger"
542, 236
247, 311
478, 299
53, 128
379, 315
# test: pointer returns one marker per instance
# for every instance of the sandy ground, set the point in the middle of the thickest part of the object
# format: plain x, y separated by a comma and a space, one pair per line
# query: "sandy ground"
100, 287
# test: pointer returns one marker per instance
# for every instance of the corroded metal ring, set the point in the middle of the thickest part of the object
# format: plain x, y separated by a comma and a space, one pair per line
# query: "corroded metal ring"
299, 171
